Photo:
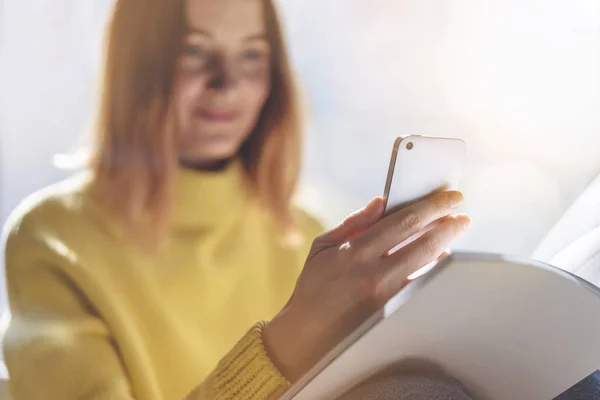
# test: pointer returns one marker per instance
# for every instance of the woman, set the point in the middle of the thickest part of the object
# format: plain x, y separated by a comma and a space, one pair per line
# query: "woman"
145, 278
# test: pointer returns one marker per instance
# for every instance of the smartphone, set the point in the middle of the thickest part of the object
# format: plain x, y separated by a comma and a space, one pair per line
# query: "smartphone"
421, 166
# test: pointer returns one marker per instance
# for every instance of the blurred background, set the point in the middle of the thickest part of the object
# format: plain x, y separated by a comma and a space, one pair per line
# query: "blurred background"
518, 80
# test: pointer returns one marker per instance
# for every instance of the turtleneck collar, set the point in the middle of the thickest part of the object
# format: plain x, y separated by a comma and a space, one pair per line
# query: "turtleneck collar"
203, 199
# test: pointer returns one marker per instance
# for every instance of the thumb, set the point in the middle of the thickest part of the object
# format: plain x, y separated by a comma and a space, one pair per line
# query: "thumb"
355, 223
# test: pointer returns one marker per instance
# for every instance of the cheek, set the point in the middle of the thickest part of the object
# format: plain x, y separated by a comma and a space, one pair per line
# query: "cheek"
188, 88
257, 88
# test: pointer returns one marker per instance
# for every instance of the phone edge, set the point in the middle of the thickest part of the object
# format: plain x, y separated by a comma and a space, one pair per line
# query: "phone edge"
391, 168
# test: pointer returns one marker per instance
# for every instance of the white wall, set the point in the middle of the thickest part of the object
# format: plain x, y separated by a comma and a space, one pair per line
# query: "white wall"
519, 80
48, 57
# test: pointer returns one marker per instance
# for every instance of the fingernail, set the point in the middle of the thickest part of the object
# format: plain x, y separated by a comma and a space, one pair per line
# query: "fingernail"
444, 254
373, 208
368, 206
466, 222
456, 199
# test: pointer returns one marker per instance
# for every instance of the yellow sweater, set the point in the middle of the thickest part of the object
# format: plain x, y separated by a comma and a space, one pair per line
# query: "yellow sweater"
94, 318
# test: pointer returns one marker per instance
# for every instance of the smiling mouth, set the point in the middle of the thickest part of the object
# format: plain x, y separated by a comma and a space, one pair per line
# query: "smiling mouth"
219, 116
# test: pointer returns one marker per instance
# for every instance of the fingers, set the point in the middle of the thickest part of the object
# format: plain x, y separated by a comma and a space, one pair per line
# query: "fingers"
429, 247
414, 237
401, 225
355, 223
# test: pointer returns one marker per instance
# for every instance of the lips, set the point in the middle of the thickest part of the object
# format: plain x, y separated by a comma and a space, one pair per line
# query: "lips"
215, 115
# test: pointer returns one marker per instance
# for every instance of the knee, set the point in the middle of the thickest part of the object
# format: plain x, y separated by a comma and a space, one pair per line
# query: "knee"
412, 379
409, 387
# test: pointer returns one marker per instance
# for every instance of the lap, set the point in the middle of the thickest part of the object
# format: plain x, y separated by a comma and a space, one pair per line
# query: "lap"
408, 387
425, 385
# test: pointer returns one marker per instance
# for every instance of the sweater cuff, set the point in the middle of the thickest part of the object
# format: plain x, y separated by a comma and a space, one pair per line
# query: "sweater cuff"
247, 372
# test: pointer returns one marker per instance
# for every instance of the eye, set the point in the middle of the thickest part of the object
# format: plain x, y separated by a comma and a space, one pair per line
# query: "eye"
194, 57
193, 50
254, 55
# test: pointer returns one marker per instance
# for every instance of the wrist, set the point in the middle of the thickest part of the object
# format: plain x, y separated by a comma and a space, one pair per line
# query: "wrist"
285, 346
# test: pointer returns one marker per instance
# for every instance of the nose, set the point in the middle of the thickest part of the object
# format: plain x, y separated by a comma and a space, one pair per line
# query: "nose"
223, 74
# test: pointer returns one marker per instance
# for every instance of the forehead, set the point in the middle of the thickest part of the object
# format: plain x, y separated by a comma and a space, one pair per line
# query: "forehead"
226, 19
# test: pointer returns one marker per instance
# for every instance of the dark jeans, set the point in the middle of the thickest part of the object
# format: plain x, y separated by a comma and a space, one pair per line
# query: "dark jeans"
437, 387
587, 389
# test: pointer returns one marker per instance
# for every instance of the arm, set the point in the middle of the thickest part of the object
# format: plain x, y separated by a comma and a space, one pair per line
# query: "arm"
250, 352
58, 347
246, 372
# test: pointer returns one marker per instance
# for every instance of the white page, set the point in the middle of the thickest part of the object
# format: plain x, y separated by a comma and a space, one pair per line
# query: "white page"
506, 329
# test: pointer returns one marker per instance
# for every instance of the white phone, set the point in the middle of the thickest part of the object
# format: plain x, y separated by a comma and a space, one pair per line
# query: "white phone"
421, 166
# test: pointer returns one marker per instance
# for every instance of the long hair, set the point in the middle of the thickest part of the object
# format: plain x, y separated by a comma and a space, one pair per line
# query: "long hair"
135, 157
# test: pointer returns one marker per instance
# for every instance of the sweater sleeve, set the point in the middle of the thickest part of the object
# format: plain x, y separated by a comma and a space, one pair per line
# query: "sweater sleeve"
58, 347
246, 372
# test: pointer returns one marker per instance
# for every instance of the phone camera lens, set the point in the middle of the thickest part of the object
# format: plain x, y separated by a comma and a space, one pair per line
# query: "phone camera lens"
410, 145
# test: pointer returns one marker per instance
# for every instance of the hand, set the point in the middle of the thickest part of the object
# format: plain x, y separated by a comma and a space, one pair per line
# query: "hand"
349, 274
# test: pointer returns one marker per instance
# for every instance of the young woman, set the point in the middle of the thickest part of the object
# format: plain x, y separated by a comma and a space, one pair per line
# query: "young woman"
147, 277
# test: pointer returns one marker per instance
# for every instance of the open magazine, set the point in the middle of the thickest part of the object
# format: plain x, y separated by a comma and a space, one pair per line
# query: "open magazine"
507, 328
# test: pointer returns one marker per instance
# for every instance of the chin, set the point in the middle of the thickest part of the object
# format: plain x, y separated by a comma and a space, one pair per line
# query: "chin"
209, 154
212, 145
